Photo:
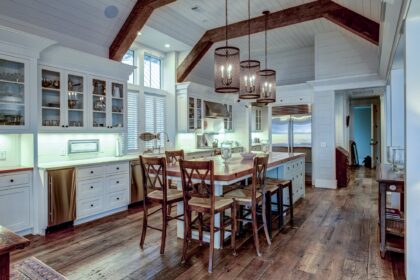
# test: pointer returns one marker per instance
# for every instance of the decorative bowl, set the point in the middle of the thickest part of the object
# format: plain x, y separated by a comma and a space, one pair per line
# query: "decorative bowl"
248, 156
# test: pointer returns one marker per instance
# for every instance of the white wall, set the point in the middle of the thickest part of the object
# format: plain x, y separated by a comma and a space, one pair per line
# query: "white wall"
323, 143
412, 134
341, 112
397, 108
339, 54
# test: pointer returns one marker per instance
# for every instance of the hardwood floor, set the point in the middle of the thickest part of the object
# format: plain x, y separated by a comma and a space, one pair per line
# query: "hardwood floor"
335, 237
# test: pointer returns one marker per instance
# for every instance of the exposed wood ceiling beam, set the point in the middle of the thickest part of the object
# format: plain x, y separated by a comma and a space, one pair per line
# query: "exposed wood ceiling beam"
134, 23
340, 15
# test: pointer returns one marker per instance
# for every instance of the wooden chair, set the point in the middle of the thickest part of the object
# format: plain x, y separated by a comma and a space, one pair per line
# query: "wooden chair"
199, 196
251, 198
174, 156
155, 186
282, 184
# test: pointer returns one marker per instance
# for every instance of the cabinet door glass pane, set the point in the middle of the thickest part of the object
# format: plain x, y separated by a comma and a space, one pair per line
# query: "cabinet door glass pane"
191, 109
75, 101
99, 103
199, 117
50, 99
117, 105
12, 93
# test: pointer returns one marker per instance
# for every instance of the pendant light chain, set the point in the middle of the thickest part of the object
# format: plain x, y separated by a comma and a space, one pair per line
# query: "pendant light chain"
249, 29
226, 20
265, 33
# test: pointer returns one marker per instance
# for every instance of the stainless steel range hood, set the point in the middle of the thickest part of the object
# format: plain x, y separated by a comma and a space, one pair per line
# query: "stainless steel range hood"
215, 110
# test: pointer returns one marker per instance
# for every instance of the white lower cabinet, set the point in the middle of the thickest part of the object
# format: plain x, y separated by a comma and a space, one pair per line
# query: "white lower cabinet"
16, 201
101, 190
295, 171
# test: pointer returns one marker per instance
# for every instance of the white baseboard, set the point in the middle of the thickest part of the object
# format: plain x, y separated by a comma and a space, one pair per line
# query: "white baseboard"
325, 184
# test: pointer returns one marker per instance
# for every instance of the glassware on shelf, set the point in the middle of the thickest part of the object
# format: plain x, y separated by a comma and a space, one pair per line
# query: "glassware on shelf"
398, 159
226, 151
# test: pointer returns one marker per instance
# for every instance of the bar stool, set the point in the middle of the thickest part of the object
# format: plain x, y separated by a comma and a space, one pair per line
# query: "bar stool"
282, 184
251, 198
173, 157
199, 196
155, 186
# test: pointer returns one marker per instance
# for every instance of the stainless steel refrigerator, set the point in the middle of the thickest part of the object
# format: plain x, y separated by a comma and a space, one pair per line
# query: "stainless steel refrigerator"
291, 130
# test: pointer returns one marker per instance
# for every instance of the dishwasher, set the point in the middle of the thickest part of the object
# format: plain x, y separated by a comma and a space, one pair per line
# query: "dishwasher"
61, 197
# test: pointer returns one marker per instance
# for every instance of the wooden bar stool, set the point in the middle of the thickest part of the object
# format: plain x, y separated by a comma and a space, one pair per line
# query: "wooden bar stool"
251, 198
282, 184
199, 196
172, 157
155, 186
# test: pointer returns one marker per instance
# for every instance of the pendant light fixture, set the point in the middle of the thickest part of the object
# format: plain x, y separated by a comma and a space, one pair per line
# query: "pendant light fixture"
249, 83
226, 65
267, 76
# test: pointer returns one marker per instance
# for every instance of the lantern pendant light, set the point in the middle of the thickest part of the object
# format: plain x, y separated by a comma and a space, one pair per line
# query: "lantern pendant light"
226, 65
249, 83
267, 76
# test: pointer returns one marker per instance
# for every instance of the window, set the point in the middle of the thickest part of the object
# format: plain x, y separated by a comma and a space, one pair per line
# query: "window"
152, 71
133, 121
129, 59
155, 118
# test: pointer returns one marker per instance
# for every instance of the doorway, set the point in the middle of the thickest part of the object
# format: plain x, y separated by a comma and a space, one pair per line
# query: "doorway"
365, 130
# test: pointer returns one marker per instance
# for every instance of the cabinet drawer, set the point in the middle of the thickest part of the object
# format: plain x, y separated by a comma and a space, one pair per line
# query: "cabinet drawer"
117, 199
15, 179
121, 167
90, 172
116, 183
87, 207
90, 189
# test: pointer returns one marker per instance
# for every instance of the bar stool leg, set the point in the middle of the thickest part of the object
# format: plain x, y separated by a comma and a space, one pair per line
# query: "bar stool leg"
234, 224
291, 202
164, 226
269, 214
200, 228
211, 251
222, 229
280, 207
143, 232
186, 230
255, 229
264, 217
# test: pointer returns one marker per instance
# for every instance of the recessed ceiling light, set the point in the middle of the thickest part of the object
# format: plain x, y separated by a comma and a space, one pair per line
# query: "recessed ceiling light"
139, 33
167, 46
111, 11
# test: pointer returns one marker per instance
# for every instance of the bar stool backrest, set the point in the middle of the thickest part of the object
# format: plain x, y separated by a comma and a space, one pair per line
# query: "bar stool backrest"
174, 156
259, 175
154, 174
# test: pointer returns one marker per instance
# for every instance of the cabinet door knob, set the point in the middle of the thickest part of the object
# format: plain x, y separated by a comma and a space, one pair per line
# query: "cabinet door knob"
11, 180
67, 126
118, 198
91, 187
62, 125
118, 168
118, 182
91, 205
91, 172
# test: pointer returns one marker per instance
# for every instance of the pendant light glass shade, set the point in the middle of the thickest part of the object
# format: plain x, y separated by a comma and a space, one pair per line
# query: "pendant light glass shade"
250, 86
226, 66
267, 77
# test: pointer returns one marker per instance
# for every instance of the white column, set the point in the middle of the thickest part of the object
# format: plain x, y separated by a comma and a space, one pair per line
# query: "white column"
412, 135
323, 143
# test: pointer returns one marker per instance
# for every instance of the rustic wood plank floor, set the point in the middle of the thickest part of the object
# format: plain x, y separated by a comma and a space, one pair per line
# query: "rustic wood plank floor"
335, 237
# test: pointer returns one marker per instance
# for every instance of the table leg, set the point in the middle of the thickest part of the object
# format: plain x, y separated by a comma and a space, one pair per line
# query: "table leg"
382, 218
5, 266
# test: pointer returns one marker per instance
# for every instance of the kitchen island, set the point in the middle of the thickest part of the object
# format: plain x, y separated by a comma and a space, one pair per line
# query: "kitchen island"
280, 165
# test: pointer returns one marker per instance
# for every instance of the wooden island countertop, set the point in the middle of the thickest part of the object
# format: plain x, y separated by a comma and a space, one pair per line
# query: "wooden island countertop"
237, 167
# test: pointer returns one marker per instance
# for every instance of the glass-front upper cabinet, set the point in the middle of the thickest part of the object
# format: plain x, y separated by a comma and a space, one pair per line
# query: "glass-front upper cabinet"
51, 104
191, 114
12, 93
199, 116
99, 103
75, 101
117, 105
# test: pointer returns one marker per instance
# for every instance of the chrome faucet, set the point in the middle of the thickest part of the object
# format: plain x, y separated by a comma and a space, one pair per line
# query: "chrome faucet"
166, 139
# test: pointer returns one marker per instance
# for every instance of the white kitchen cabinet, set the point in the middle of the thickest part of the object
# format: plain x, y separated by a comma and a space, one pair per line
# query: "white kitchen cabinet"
228, 122
190, 113
294, 100
101, 190
14, 94
72, 101
16, 201
257, 120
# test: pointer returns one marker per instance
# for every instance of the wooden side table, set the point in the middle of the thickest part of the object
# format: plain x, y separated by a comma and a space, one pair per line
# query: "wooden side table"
9, 242
391, 221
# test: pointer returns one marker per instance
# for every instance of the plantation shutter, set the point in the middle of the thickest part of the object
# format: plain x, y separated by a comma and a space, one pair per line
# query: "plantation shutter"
133, 121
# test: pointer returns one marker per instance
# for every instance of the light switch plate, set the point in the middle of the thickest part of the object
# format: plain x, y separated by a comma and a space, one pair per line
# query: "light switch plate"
3, 155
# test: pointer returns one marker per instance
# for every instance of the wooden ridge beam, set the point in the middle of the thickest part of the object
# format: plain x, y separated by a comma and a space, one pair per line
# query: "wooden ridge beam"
135, 21
340, 15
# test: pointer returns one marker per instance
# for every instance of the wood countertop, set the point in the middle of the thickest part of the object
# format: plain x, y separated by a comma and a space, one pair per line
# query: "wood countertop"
385, 174
9, 241
10, 169
237, 167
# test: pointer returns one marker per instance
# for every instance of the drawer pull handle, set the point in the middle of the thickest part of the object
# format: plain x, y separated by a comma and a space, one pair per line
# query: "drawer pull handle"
11, 180
118, 198
91, 187
118, 182
91, 172
118, 168
91, 205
